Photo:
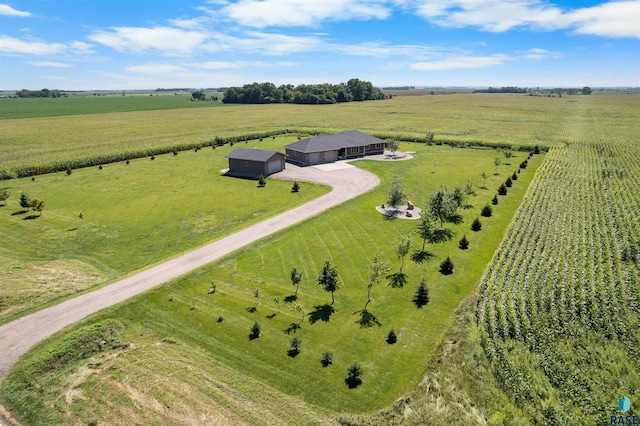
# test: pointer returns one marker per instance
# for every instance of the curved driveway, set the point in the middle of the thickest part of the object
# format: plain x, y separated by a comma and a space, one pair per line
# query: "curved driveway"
18, 336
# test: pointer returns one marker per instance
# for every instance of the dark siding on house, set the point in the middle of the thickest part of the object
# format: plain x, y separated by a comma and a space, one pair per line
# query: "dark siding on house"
247, 168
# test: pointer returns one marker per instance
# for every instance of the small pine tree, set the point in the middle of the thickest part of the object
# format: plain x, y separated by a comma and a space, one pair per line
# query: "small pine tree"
536, 150
262, 181
392, 337
25, 201
523, 165
476, 225
296, 344
464, 243
327, 358
295, 187
354, 374
255, 330
514, 176
487, 211
502, 190
446, 267
508, 182
421, 297
494, 200
68, 171
4, 196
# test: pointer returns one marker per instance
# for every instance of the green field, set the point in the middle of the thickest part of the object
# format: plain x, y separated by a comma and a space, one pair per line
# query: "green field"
133, 216
550, 337
86, 103
467, 118
350, 234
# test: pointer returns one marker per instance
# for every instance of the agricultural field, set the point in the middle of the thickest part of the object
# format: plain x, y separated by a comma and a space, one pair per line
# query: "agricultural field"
537, 325
100, 224
86, 103
181, 337
460, 118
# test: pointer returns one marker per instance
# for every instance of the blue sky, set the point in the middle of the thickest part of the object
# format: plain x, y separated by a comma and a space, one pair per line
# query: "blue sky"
146, 44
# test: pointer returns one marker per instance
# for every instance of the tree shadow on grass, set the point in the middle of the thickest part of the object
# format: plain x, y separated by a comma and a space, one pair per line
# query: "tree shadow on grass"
367, 319
353, 382
321, 313
253, 336
292, 328
290, 299
272, 316
422, 256
293, 353
397, 280
19, 212
31, 217
252, 309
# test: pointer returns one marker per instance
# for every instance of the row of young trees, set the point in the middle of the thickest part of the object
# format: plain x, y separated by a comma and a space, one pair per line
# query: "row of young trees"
269, 93
36, 205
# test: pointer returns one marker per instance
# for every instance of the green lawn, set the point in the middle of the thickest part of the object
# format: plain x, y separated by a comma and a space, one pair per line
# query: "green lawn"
133, 216
216, 368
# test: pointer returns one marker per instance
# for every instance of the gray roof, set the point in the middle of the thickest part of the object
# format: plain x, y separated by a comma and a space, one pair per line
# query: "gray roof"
325, 142
252, 154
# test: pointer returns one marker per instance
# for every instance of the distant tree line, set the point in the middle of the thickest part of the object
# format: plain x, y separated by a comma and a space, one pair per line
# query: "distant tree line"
268, 93
399, 88
532, 91
44, 93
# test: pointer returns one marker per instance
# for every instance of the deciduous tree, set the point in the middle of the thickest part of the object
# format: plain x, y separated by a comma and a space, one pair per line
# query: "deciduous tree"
328, 279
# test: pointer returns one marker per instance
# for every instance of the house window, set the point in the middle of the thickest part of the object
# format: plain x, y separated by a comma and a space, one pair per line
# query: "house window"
355, 150
378, 145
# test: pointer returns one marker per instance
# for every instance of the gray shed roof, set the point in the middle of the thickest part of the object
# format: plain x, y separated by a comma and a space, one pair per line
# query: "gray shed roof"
325, 142
253, 154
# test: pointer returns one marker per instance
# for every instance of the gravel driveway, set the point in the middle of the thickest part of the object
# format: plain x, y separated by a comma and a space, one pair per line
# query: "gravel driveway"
18, 336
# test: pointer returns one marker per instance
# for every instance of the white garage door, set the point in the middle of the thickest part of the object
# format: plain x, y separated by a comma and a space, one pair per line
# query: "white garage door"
314, 158
274, 166
329, 157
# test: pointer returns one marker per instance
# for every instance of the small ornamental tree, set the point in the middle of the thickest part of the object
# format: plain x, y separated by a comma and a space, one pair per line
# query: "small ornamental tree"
463, 244
262, 182
396, 195
496, 162
502, 190
514, 176
507, 154
476, 225
421, 298
392, 145
354, 374
392, 337
484, 180
4, 195
494, 200
487, 211
523, 165
328, 279
37, 206
254, 331
295, 187
508, 182
296, 277
446, 267
68, 171
25, 201
536, 150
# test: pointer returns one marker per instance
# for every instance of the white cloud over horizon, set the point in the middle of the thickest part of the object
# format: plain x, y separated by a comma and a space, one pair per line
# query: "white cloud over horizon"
7, 10
461, 62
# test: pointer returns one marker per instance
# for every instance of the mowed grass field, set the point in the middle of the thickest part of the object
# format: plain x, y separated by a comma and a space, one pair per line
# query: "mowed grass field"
181, 364
507, 119
133, 216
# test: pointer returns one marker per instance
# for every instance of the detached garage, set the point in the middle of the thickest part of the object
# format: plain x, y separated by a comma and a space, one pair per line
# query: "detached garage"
254, 162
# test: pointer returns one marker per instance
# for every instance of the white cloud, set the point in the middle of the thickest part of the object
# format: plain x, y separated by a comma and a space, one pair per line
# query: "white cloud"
612, 19
164, 39
461, 62
6, 10
303, 13
154, 68
30, 46
262, 43
50, 64
537, 54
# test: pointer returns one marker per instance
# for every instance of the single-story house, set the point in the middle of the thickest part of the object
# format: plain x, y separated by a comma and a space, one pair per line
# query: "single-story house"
254, 162
326, 148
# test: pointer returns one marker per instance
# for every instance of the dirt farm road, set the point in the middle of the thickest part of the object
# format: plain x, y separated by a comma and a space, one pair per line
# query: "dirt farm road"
18, 336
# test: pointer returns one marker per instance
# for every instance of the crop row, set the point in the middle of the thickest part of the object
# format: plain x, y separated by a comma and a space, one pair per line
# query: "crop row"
565, 273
